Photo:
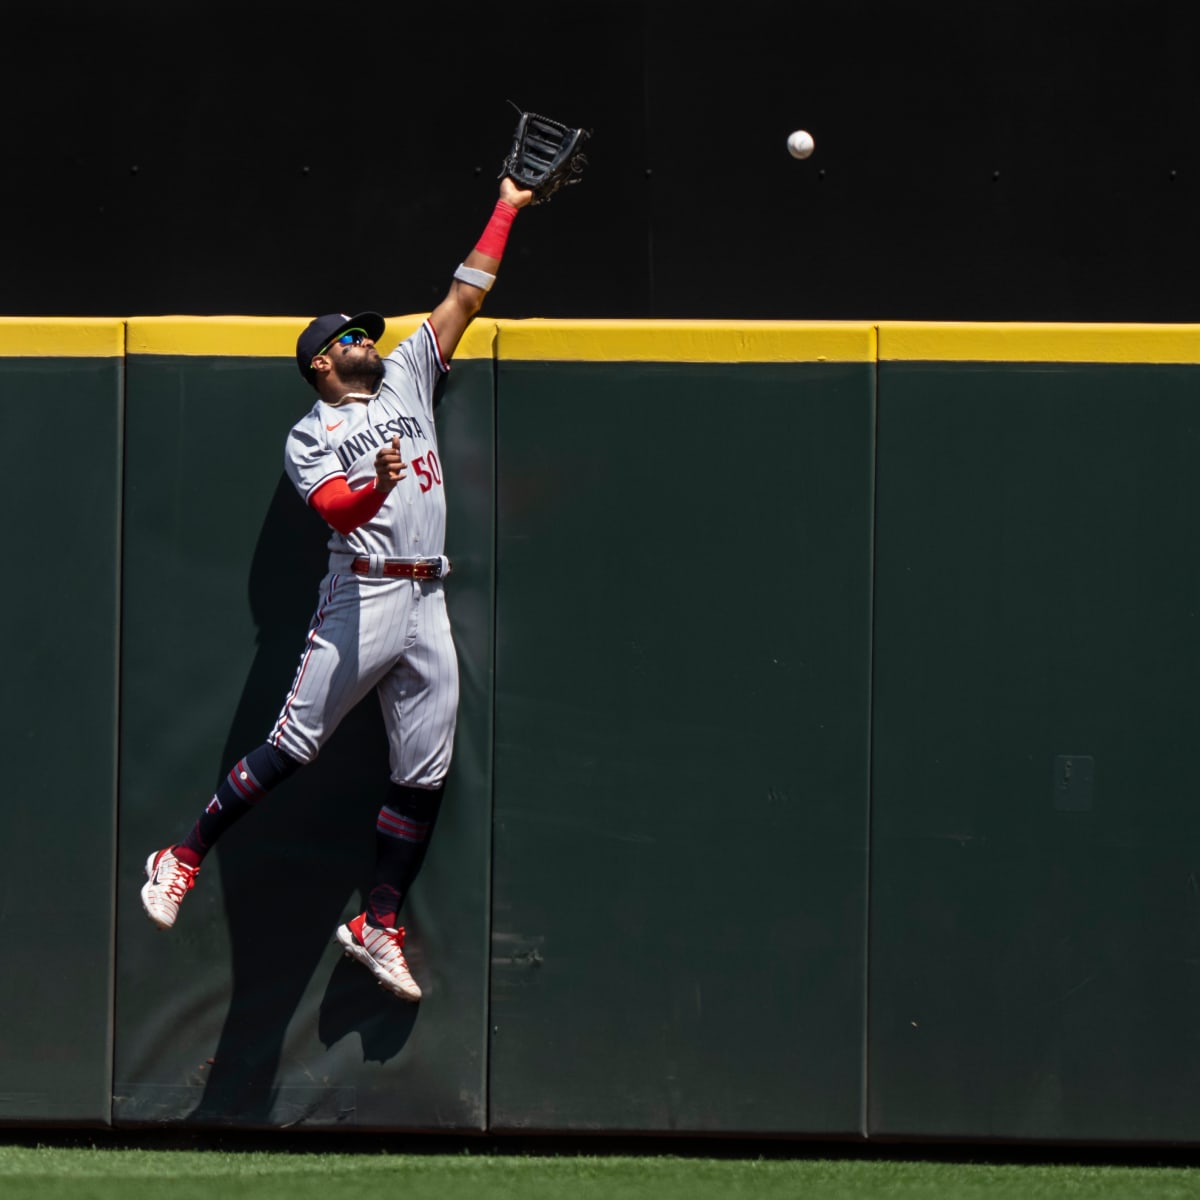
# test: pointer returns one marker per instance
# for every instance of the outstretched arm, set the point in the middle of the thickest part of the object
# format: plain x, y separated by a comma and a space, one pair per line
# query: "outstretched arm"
452, 316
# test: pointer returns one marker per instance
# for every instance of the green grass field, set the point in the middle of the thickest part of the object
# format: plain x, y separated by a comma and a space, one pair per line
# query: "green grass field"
38, 1172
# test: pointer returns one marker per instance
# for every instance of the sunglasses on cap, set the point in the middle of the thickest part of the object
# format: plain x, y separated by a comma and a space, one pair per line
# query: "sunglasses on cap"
352, 337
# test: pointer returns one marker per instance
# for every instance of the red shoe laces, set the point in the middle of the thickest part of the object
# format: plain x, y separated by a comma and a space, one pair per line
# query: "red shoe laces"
180, 882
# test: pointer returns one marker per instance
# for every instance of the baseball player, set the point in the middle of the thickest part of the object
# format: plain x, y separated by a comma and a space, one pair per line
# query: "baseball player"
366, 458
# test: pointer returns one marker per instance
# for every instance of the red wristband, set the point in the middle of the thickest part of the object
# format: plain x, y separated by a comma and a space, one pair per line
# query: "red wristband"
495, 236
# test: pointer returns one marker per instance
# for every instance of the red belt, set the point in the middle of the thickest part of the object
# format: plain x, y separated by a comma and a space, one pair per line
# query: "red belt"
426, 568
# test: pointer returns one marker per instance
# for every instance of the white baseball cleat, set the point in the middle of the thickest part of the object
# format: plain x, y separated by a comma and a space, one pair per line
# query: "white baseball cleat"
167, 882
381, 951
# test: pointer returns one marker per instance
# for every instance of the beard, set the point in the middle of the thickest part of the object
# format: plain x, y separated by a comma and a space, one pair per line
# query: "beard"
362, 375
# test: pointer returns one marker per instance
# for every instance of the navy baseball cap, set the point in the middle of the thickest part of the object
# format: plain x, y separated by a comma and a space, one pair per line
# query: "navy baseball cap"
322, 330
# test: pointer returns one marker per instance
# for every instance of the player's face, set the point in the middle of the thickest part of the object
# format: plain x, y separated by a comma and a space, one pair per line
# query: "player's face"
356, 360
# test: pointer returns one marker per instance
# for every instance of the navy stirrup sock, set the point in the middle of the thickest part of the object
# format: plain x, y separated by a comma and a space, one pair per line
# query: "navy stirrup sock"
249, 781
402, 832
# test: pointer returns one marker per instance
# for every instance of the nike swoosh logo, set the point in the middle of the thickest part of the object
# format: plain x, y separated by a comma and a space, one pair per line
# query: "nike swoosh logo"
331, 428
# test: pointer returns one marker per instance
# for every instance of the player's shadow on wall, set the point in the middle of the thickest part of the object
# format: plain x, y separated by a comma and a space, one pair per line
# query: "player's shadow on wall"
289, 867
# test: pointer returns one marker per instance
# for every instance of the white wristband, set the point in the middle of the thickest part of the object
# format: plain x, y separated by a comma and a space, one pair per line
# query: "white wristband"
476, 278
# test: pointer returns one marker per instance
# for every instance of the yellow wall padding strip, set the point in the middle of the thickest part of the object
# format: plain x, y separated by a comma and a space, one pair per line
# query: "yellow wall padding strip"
270, 337
687, 341
935, 341
624, 341
61, 337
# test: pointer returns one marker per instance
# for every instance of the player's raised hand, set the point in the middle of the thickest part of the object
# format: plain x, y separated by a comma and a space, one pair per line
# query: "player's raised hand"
512, 194
390, 467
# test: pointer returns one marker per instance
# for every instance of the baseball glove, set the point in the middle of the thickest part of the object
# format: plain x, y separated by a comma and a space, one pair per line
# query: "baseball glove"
545, 156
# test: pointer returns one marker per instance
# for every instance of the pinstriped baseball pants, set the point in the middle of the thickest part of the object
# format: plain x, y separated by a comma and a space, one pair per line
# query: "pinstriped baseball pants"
390, 635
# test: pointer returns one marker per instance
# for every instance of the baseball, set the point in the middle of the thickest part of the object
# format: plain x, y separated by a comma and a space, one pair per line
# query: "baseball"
800, 143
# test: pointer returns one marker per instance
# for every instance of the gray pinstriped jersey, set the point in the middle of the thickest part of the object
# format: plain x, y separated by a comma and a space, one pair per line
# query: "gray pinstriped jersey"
331, 441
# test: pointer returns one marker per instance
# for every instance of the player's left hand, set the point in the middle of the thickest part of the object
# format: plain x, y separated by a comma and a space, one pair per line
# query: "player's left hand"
511, 194
390, 467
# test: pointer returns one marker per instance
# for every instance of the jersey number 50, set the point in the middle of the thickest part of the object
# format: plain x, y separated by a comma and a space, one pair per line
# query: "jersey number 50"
428, 469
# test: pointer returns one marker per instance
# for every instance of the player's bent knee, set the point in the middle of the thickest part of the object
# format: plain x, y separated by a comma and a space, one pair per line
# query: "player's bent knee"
302, 751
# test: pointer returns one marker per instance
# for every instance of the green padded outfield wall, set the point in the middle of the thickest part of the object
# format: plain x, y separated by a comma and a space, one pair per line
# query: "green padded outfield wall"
683, 635
1035, 904
61, 387
772, 843
245, 1013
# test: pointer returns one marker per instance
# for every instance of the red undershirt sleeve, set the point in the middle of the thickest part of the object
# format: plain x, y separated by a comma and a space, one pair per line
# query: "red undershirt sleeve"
345, 509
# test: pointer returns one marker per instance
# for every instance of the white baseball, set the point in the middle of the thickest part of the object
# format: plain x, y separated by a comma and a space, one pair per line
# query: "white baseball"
800, 143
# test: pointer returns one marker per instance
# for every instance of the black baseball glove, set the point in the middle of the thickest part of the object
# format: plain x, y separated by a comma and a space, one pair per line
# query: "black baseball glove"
545, 156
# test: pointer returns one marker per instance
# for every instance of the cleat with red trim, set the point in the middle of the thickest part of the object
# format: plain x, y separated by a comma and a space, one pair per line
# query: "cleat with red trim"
167, 882
381, 951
